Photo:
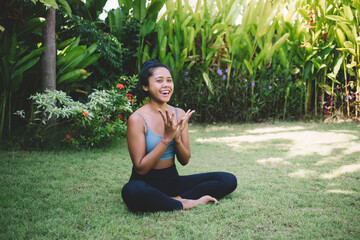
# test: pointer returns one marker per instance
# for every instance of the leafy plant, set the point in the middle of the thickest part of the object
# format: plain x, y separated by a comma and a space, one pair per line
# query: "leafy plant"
88, 124
347, 32
18, 56
72, 59
90, 9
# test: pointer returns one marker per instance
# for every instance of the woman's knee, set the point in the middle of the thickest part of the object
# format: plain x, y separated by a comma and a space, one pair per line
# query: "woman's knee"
229, 180
131, 193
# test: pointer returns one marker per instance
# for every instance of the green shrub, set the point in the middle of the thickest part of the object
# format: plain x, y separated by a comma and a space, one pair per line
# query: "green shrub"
93, 123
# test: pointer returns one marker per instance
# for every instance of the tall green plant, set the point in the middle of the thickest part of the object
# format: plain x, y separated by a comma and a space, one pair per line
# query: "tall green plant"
187, 37
259, 37
317, 53
347, 31
18, 56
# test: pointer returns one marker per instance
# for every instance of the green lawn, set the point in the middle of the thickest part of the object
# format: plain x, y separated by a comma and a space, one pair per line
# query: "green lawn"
295, 181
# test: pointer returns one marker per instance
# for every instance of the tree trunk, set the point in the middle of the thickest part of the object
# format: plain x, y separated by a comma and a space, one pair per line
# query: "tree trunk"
48, 58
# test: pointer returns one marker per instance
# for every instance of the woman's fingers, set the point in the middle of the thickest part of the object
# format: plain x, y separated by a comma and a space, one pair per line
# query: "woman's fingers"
191, 113
185, 119
168, 117
162, 115
188, 114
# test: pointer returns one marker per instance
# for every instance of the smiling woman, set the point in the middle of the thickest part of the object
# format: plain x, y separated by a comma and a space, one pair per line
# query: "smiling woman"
157, 132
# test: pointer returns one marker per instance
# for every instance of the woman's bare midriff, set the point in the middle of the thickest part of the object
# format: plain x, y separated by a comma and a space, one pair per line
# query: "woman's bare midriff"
164, 163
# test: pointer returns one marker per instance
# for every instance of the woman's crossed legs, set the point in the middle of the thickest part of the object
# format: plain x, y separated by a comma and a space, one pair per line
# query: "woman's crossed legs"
183, 192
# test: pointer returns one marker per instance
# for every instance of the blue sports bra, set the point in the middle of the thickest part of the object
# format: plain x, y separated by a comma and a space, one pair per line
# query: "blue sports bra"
152, 139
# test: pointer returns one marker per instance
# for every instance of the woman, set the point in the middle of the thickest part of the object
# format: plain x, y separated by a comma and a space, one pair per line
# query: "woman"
156, 133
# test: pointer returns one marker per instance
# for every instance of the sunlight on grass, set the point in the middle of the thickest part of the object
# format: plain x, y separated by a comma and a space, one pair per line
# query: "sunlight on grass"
342, 170
327, 160
340, 191
302, 142
318, 147
303, 173
279, 161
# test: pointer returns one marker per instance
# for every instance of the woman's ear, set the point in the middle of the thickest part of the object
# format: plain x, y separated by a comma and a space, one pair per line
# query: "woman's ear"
145, 88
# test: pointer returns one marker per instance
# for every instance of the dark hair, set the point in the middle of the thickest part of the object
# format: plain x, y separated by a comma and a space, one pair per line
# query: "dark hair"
148, 70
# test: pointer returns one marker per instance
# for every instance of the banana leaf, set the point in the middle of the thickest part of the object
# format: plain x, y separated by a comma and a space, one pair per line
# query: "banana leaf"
25, 67
208, 82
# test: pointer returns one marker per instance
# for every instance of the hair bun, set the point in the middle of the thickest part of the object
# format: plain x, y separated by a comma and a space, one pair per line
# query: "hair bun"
150, 63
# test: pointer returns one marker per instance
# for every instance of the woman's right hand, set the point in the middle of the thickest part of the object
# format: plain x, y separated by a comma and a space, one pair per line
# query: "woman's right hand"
170, 124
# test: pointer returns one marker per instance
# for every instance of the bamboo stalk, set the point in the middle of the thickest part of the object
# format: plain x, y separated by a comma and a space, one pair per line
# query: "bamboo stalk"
333, 98
308, 94
316, 88
357, 96
9, 113
3, 108
323, 95
346, 91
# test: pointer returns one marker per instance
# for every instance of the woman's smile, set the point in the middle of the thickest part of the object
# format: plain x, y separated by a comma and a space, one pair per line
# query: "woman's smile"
165, 92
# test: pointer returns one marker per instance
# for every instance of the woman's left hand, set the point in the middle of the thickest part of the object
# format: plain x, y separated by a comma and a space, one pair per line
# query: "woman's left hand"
182, 123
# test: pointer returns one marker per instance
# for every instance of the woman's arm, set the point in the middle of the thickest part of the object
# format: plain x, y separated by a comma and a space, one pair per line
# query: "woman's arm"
142, 162
182, 144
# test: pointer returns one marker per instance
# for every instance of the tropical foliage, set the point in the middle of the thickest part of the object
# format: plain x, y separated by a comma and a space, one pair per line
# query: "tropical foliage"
233, 60
71, 63
89, 124
20, 52
282, 57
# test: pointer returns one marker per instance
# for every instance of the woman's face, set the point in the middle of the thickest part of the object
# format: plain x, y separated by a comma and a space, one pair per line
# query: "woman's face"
161, 85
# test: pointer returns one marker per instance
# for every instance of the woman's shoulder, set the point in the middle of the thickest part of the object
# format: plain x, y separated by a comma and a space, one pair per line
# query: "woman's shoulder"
179, 111
177, 108
137, 115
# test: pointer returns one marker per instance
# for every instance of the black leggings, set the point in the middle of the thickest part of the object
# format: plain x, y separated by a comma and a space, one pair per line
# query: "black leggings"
153, 191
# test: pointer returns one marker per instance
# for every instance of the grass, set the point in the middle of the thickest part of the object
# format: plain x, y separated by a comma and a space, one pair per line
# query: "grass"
295, 181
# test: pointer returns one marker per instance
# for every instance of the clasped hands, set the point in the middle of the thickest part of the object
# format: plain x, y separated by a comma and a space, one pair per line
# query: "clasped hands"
172, 128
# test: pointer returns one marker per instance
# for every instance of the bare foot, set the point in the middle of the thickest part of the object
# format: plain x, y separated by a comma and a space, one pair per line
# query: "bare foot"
189, 203
207, 199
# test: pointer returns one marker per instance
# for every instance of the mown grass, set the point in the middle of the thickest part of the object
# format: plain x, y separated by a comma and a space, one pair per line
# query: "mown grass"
295, 181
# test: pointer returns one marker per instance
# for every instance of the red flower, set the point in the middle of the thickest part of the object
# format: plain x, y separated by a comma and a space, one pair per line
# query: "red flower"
85, 114
112, 132
68, 136
119, 116
120, 86
129, 97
